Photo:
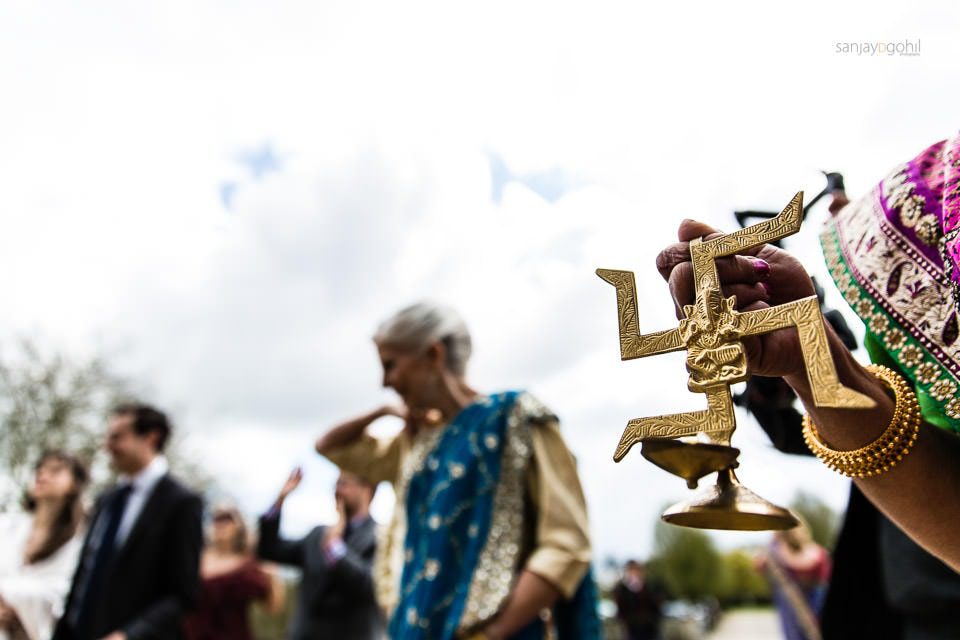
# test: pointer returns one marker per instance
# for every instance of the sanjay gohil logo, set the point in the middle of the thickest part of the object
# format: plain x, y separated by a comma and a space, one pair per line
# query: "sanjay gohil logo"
879, 48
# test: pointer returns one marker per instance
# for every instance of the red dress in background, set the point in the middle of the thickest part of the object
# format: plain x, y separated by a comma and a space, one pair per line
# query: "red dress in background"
222, 611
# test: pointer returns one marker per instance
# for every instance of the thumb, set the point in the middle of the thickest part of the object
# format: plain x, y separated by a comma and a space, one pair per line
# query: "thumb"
691, 229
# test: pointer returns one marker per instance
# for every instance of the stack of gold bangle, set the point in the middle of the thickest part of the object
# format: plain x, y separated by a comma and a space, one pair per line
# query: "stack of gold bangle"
886, 451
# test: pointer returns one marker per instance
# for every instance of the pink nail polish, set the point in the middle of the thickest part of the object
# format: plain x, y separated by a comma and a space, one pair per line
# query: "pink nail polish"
761, 266
765, 287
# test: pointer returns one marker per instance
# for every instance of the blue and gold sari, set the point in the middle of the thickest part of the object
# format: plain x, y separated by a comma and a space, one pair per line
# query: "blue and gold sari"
465, 542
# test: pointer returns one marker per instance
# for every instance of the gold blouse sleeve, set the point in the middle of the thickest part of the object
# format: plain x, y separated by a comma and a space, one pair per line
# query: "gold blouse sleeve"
376, 459
561, 553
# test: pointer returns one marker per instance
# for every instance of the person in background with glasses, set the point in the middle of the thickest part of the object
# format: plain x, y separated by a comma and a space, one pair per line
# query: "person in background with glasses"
231, 580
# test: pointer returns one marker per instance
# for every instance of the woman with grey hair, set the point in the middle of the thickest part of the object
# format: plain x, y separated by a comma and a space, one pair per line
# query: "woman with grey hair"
490, 527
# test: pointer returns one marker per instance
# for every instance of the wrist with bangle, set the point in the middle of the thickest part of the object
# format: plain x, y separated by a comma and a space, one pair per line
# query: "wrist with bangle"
889, 448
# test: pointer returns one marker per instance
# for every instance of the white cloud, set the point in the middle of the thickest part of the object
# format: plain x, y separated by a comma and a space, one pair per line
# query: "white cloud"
254, 323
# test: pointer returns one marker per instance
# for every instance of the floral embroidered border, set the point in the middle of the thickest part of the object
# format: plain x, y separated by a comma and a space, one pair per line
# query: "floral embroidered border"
904, 324
499, 559
388, 561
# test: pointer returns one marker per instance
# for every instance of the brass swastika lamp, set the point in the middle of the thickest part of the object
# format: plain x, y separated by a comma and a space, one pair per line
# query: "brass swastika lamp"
695, 444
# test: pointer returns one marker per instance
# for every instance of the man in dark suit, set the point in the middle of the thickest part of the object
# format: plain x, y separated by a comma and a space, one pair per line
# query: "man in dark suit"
336, 598
138, 572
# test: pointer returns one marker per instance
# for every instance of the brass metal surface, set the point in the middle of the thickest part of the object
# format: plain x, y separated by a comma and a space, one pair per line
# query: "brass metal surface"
729, 505
689, 461
711, 332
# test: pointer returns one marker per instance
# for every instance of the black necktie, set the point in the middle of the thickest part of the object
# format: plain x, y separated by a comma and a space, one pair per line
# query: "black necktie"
84, 611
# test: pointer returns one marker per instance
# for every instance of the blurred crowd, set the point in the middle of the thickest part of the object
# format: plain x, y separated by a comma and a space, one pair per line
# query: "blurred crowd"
489, 536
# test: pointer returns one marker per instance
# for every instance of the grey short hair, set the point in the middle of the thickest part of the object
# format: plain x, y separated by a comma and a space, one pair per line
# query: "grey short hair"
418, 326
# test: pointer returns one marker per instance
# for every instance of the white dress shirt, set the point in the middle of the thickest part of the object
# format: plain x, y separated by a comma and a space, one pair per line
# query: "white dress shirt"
142, 486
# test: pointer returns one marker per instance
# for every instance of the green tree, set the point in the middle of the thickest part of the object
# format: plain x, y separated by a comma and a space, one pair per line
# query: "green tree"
823, 521
686, 562
49, 401
742, 583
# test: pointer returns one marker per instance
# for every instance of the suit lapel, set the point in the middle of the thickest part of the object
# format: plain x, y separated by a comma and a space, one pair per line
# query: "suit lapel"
96, 522
145, 516
359, 538
358, 541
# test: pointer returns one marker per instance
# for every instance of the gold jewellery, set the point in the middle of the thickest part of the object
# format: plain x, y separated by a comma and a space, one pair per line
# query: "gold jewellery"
886, 451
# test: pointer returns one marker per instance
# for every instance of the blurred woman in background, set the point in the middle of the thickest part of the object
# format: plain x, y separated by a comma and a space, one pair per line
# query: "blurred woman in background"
40, 548
799, 570
231, 581
490, 526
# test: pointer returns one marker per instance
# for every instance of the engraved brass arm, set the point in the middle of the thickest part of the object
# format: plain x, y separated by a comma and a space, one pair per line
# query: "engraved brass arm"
804, 314
633, 344
681, 425
711, 332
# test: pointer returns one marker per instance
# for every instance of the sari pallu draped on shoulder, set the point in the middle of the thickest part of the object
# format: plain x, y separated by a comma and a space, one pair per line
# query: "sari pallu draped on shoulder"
464, 542
895, 256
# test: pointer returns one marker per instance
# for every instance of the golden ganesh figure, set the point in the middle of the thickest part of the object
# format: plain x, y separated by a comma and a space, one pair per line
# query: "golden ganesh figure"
695, 444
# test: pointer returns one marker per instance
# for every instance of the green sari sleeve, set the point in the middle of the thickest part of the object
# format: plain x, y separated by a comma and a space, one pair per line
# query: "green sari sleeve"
931, 409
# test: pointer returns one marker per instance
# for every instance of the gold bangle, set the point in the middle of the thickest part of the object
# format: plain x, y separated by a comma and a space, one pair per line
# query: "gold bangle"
885, 452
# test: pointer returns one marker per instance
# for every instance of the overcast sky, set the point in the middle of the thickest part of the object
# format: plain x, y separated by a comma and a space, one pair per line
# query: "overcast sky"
228, 196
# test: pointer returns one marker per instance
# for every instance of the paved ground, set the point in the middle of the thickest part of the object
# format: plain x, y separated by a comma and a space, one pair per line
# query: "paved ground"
749, 624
